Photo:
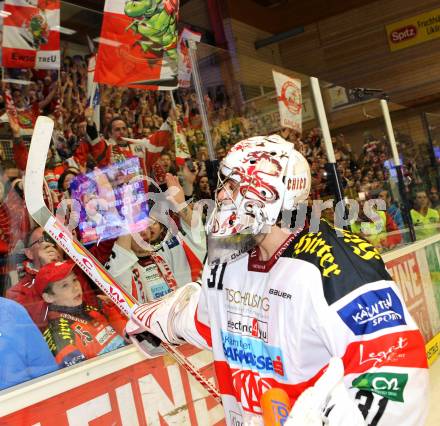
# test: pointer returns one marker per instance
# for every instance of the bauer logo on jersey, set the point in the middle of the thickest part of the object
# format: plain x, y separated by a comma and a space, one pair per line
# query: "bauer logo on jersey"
373, 311
247, 326
253, 354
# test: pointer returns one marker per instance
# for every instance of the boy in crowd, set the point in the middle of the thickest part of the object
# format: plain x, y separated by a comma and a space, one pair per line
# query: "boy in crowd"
40, 250
75, 330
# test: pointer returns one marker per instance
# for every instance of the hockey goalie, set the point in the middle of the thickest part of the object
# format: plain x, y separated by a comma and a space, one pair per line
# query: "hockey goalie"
281, 309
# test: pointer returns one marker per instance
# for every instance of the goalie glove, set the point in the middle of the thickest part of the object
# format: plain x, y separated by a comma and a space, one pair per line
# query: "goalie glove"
327, 402
153, 322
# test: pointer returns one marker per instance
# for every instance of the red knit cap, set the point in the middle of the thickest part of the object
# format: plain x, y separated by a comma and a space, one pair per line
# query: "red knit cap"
51, 272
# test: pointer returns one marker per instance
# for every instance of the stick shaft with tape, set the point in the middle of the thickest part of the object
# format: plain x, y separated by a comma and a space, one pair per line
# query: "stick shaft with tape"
80, 255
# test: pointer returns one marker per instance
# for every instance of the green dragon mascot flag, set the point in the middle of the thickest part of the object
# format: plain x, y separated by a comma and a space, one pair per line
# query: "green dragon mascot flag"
138, 44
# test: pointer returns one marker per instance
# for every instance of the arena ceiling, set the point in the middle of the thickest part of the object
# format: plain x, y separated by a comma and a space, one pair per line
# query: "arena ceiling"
273, 16
83, 18
277, 16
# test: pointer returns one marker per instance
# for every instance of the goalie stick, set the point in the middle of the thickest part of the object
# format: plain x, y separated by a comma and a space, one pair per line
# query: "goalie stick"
80, 255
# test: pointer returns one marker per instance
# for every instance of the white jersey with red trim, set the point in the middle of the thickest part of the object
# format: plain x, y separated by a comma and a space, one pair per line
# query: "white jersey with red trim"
278, 323
178, 262
139, 277
185, 252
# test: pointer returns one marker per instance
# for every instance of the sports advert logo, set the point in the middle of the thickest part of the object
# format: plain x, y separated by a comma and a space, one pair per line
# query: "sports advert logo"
313, 244
403, 349
373, 311
246, 299
249, 387
253, 354
391, 354
402, 34
389, 385
247, 326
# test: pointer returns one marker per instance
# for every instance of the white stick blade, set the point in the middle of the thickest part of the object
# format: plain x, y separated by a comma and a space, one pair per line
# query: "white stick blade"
36, 163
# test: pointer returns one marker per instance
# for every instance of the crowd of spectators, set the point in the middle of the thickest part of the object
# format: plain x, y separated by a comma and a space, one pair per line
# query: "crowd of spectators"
144, 113
37, 267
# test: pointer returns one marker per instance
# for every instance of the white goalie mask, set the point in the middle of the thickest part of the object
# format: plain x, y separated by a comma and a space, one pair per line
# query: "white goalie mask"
258, 178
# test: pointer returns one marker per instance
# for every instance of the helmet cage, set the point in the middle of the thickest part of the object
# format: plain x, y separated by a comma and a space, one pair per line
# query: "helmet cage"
270, 175
237, 212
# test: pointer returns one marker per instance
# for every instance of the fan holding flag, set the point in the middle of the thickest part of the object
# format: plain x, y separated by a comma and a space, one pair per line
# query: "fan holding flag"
118, 147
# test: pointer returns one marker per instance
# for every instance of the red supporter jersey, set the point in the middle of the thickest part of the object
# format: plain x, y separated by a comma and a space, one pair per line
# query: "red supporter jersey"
109, 152
80, 333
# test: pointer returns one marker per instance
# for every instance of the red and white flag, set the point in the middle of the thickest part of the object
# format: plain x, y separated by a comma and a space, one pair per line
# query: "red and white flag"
24, 118
138, 45
182, 150
93, 96
11, 111
154, 145
31, 37
185, 66
289, 100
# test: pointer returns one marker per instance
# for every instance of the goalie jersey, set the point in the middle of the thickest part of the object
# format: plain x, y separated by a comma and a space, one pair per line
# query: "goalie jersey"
278, 323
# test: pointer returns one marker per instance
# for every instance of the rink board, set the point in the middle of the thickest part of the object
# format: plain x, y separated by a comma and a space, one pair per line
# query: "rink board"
122, 388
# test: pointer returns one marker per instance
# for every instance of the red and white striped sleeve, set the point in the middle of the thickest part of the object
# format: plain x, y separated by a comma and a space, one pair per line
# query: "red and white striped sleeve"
192, 323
